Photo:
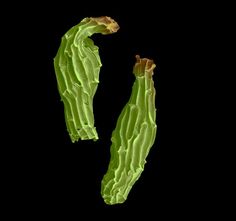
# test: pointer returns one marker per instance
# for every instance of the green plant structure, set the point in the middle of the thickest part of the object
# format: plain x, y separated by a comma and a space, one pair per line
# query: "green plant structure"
133, 136
77, 65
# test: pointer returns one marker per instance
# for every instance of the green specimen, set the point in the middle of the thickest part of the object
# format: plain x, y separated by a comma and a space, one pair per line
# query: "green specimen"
133, 136
77, 65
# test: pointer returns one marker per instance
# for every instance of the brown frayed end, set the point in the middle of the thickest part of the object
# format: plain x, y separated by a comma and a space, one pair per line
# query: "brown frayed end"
143, 65
110, 24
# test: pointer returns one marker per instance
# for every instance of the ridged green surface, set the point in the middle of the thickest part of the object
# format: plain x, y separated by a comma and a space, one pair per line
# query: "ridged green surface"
77, 65
133, 136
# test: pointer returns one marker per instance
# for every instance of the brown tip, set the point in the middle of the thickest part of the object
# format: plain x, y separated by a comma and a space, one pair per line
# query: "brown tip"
143, 65
111, 25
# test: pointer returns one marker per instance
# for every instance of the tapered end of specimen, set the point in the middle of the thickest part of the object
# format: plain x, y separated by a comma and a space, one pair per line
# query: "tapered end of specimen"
110, 24
143, 66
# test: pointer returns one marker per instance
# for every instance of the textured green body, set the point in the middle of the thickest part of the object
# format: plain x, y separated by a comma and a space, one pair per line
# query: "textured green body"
133, 136
77, 65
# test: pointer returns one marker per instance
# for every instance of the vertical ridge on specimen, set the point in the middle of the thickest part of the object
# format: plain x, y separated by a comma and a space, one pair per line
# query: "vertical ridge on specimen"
133, 136
77, 65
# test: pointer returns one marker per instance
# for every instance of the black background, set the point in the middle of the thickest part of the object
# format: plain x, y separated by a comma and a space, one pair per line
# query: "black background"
51, 175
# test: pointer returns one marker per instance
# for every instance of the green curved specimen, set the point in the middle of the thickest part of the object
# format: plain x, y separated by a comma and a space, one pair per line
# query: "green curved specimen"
133, 136
77, 65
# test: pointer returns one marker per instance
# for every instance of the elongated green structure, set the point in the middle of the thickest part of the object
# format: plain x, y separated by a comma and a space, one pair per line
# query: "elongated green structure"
133, 136
77, 65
